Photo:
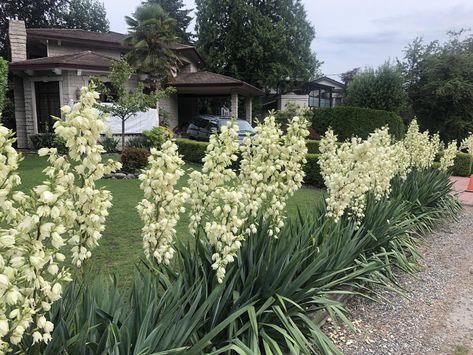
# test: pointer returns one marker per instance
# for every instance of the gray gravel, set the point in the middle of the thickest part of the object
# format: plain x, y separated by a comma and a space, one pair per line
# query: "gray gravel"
436, 317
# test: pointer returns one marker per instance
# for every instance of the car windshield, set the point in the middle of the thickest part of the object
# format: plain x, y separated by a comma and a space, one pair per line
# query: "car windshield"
243, 126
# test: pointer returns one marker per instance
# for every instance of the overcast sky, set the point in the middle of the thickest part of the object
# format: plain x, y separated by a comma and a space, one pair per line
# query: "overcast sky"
358, 33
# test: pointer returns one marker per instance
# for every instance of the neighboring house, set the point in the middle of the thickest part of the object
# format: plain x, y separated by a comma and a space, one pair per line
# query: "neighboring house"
49, 67
323, 92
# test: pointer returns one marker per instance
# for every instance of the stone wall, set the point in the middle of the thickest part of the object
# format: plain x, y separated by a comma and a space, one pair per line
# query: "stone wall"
170, 105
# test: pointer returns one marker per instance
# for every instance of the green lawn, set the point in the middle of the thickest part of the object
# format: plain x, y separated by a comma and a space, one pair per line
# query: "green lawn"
120, 247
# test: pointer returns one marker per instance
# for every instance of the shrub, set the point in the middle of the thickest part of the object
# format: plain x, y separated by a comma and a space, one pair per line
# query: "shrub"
157, 136
462, 164
138, 142
48, 140
355, 121
312, 146
192, 151
134, 159
110, 144
312, 171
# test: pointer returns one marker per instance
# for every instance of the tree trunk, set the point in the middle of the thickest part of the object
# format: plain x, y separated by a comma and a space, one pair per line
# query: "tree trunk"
123, 135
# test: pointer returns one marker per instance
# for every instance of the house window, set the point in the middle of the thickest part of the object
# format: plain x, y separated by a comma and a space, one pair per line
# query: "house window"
320, 98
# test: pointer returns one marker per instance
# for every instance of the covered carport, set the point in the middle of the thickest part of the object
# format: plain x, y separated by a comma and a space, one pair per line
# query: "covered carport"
192, 86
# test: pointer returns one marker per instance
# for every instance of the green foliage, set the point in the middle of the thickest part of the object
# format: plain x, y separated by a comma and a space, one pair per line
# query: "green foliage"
347, 121
312, 171
381, 89
462, 164
152, 36
3, 83
157, 136
125, 102
439, 84
139, 141
48, 140
272, 297
285, 115
192, 151
110, 144
312, 146
270, 44
87, 15
174, 8
134, 159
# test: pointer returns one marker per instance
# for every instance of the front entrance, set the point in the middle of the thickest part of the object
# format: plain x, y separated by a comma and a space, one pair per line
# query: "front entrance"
47, 104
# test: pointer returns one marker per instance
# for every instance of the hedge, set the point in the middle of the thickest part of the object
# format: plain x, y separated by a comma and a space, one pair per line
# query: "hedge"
462, 164
355, 121
312, 171
191, 150
312, 146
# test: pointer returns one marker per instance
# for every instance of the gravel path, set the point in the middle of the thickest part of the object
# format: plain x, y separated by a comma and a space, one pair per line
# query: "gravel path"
437, 317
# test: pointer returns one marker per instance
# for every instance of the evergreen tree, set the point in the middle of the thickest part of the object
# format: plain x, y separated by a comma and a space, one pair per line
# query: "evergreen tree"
176, 11
261, 42
87, 15
439, 79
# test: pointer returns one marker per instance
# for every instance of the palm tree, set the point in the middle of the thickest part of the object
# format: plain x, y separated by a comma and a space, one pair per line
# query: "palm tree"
152, 37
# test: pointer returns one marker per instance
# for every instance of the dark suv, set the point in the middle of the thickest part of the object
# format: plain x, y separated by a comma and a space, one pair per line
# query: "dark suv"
205, 125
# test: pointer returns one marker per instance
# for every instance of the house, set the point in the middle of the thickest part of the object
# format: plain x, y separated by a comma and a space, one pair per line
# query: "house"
322, 92
49, 66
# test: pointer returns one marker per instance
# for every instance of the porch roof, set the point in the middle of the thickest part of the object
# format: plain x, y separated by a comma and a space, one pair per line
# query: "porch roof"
87, 60
208, 83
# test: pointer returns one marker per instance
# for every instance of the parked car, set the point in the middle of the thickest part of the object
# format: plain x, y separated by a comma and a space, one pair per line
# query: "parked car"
205, 125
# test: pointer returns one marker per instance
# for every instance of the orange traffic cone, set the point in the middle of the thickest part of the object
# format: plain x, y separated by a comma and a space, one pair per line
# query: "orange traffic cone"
470, 184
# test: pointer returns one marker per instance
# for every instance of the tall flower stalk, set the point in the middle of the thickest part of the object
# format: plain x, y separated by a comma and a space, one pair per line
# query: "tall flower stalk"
65, 209
225, 204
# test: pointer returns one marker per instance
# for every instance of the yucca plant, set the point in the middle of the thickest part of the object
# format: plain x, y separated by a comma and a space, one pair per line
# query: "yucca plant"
273, 296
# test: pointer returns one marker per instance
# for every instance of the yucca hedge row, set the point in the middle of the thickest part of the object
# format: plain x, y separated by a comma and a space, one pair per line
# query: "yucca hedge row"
272, 298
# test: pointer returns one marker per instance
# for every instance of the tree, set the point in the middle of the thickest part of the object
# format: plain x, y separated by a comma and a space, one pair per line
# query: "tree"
261, 42
84, 14
3, 83
87, 15
381, 89
124, 102
152, 38
349, 75
175, 10
439, 84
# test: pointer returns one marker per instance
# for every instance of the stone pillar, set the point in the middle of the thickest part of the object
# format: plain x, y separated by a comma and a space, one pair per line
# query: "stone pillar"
17, 36
20, 116
249, 109
234, 108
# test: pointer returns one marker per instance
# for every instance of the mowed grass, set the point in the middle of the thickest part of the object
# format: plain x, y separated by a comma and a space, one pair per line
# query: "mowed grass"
121, 245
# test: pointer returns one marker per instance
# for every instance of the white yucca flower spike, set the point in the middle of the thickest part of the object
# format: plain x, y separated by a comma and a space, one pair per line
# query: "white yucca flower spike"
64, 209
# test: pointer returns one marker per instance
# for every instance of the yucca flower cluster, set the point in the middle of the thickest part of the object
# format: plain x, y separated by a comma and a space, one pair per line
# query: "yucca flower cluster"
65, 209
162, 204
467, 143
357, 167
271, 169
354, 168
422, 147
448, 157
221, 201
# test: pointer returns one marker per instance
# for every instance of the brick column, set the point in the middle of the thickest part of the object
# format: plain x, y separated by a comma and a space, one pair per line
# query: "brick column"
234, 108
